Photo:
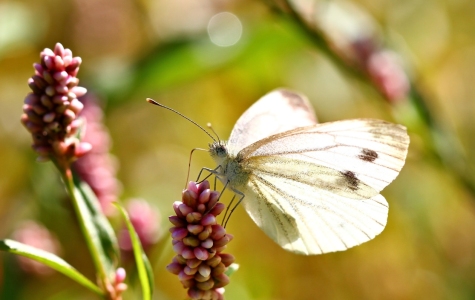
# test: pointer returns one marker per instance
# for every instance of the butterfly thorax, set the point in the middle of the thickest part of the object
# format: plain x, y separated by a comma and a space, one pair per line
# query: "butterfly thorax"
230, 169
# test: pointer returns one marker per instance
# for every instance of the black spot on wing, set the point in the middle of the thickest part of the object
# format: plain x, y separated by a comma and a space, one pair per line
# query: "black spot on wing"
368, 155
351, 180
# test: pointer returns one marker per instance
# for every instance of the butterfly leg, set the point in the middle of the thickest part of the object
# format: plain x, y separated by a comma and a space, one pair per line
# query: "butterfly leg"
211, 172
227, 209
234, 207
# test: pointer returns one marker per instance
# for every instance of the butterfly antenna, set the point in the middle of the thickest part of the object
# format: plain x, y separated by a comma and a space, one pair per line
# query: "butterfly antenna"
149, 100
211, 128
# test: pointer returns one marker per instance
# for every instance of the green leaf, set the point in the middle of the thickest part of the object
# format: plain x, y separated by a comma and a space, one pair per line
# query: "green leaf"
143, 265
99, 231
50, 260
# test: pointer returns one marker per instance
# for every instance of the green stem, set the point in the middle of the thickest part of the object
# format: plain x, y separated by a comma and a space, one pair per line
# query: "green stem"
68, 181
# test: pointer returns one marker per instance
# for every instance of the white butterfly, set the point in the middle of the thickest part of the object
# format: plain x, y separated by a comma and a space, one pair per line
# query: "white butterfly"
312, 188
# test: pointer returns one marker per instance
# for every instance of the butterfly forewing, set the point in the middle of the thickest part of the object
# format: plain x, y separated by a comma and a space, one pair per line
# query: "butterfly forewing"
351, 147
270, 115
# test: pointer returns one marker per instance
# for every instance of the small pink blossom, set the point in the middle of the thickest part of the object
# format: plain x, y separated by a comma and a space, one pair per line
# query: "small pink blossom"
199, 241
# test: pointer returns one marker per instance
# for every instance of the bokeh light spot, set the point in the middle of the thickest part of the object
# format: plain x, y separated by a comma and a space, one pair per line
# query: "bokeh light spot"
224, 29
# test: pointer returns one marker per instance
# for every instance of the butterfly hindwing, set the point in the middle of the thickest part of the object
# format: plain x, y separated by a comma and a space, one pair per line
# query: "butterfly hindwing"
307, 220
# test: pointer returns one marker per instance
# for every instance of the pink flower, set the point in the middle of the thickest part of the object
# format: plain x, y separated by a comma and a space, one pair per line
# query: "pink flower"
34, 234
146, 221
383, 67
199, 241
387, 73
50, 112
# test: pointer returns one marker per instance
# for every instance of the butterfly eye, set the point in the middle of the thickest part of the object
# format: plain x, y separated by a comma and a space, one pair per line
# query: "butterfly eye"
218, 149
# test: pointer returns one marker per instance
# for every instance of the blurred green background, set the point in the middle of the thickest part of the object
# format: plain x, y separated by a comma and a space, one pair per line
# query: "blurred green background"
172, 51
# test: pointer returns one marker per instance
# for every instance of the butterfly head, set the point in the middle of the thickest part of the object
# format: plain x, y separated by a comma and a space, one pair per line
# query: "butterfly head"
218, 150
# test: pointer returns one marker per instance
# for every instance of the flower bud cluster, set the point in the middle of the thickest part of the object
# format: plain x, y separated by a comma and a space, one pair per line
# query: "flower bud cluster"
199, 241
51, 110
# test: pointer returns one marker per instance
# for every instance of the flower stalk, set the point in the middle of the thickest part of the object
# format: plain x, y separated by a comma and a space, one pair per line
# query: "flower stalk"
51, 115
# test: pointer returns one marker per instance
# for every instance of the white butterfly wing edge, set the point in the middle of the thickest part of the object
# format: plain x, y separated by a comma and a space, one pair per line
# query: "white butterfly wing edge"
270, 115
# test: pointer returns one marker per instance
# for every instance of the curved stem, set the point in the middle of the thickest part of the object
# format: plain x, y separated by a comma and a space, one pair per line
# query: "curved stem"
67, 176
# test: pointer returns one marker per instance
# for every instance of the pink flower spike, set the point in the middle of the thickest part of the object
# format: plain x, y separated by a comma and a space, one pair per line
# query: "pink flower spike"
183, 276
174, 268
227, 259
190, 271
203, 186
189, 198
61, 89
68, 53
176, 208
195, 228
58, 49
81, 149
195, 293
204, 196
209, 219
76, 106
221, 242
38, 68
218, 232
59, 63
60, 76
179, 233
204, 270
179, 248
175, 220
217, 209
192, 186
200, 252
67, 59
188, 253
185, 209
49, 117
79, 91
49, 62
208, 243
